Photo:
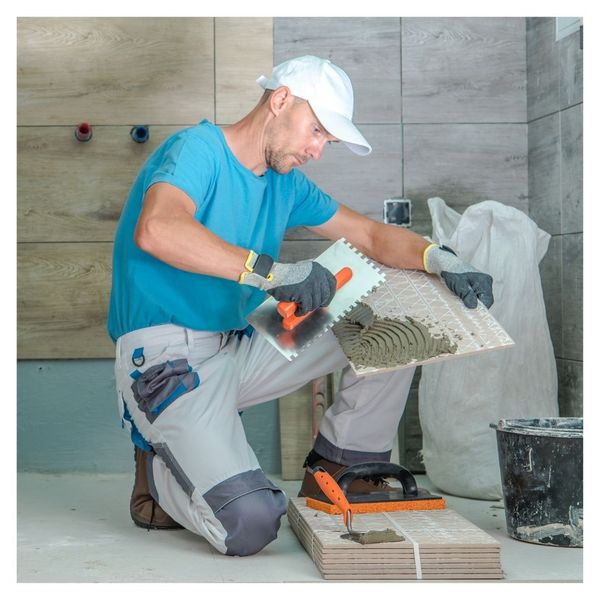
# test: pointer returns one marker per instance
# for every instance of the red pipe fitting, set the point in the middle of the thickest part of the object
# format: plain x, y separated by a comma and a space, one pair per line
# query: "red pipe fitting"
83, 132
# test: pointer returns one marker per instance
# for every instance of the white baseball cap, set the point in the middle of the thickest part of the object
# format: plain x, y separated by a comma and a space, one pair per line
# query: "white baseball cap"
328, 91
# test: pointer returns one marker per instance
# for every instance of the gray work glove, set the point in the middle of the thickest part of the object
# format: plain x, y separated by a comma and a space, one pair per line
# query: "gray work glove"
306, 283
464, 280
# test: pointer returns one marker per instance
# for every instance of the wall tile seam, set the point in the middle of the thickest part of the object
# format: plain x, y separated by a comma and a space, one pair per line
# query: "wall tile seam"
100, 126
567, 233
214, 40
562, 212
356, 122
465, 123
66, 242
554, 112
567, 359
402, 160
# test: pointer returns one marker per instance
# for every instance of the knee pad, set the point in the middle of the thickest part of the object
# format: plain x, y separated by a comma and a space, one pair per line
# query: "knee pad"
252, 520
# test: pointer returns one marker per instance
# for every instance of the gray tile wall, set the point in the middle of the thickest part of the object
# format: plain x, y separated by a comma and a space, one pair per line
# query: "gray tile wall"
441, 100
555, 116
443, 103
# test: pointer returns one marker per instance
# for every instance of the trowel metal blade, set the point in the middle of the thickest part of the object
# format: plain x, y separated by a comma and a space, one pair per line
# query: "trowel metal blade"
365, 278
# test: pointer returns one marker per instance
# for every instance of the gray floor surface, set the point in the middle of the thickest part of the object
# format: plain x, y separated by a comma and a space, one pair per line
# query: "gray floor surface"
76, 528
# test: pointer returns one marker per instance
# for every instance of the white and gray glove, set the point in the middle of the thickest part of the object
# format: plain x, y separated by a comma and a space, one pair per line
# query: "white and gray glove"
468, 283
307, 283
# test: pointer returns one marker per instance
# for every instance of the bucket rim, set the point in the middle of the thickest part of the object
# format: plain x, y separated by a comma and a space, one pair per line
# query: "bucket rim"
526, 427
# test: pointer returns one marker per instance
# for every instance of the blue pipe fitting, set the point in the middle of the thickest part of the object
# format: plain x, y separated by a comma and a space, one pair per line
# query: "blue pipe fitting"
140, 133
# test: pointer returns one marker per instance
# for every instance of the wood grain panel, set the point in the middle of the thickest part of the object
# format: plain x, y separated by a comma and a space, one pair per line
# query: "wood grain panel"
243, 52
571, 169
295, 250
115, 70
551, 276
362, 182
464, 70
544, 173
62, 300
571, 70
71, 191
367, 48
570, 387
543, 66
572, 297
295, 426
464, 164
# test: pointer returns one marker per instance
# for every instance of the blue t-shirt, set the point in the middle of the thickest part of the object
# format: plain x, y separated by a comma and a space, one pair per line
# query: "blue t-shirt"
242, 208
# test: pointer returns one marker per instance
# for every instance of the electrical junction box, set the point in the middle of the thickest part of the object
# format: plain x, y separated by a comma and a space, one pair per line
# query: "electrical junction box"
397, 211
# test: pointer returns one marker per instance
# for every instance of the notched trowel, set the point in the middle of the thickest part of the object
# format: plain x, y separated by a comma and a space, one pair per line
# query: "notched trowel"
356, 277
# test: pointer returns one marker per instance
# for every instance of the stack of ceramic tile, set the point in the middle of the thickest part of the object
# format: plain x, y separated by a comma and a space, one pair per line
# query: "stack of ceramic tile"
438, 544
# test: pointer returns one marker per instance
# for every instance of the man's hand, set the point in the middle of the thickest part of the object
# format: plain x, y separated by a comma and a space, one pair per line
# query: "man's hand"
464, 280
306, 283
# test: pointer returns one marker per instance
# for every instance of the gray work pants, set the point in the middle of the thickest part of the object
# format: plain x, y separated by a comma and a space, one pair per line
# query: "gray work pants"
180, 391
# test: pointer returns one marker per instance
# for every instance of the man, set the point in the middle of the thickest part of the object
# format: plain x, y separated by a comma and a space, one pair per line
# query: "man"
195, 251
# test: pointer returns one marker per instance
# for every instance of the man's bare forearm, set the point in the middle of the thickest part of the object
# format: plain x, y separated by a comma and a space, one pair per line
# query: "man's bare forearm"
397, 247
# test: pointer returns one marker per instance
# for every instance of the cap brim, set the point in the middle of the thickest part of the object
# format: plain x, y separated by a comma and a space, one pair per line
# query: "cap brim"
343, 129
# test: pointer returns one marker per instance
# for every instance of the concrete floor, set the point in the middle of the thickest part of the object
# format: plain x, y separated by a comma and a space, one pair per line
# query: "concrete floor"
76, 528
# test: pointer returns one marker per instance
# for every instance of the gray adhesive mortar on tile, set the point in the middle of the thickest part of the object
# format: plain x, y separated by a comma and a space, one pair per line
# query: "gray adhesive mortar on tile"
371, 341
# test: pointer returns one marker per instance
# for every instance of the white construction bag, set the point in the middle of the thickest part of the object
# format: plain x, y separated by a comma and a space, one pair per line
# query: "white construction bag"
458, 399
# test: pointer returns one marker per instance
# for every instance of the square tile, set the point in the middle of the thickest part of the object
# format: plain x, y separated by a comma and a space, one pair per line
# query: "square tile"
367, 48
465, 70
464, 164
362, 182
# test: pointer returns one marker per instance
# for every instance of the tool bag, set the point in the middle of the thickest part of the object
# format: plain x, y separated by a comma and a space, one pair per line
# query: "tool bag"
458, 399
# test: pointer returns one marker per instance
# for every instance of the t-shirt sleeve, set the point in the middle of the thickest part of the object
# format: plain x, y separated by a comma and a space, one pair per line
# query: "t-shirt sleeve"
312, 206
188, 165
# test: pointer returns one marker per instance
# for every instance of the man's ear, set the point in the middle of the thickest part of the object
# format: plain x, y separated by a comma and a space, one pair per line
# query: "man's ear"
280, 99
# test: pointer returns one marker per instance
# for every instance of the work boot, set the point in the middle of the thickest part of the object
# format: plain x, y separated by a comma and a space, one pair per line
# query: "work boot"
144, 510
311, 488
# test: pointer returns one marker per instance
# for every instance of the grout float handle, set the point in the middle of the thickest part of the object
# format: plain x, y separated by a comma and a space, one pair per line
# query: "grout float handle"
288, 309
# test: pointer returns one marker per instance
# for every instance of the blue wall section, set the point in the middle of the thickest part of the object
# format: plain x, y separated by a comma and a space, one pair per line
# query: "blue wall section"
67, 420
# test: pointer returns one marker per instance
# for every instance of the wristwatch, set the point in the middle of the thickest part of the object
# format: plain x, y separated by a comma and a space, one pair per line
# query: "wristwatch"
259, 264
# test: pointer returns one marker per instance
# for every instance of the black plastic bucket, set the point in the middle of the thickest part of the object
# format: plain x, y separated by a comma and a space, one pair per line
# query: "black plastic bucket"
541, 464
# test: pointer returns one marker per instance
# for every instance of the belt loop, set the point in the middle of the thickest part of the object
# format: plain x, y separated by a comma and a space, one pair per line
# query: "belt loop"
189, 338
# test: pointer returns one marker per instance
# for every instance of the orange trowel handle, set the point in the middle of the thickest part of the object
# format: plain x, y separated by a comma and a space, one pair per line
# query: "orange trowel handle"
287, 309
334, 492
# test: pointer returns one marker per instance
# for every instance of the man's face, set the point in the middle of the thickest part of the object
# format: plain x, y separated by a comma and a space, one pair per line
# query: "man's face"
295, 137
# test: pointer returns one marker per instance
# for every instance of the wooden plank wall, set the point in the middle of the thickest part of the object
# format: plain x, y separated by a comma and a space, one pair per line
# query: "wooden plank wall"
167, 73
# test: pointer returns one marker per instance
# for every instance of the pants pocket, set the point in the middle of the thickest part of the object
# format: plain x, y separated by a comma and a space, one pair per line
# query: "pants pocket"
160, 385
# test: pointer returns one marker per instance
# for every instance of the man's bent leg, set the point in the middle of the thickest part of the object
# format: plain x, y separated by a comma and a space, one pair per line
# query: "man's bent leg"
182, 401
362, 423
238, 516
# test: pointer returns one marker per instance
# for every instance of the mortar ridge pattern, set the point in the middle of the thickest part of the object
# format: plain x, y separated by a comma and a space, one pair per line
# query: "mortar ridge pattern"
379, 342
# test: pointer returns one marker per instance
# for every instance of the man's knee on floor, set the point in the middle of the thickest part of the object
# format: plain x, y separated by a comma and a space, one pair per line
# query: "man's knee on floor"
252, 521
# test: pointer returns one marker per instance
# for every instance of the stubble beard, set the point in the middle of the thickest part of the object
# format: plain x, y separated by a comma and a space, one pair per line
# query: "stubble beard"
278, 161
